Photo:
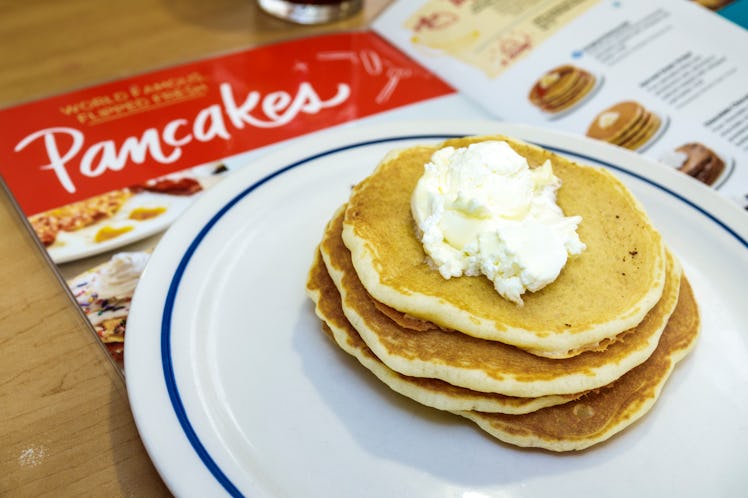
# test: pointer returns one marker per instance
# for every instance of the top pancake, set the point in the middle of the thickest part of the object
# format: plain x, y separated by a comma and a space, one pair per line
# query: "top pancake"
607, 289
488, 366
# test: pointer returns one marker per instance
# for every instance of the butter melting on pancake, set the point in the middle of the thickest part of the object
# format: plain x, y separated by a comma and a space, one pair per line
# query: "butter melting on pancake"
608, 290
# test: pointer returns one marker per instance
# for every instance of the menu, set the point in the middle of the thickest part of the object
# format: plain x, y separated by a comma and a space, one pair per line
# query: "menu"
667, 79
101, 172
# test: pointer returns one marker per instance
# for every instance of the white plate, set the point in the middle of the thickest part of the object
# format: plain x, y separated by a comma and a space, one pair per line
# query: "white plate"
235, 390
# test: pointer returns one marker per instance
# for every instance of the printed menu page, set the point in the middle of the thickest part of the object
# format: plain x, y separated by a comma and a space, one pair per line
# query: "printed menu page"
101, 172
667, 79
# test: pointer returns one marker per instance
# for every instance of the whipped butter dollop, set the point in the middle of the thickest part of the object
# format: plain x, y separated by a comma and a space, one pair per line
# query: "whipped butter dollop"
482, 210
105, 292
118, 278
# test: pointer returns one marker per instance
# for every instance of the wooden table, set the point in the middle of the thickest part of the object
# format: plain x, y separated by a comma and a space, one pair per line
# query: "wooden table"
65, 424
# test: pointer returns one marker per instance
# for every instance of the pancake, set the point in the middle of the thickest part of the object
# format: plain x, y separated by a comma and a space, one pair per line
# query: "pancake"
614, 122
626, 124
601, 414
553, 84
485, 365
585, 83
434, 393
599, 294
701, 162
561, 88
633, 131
643, 135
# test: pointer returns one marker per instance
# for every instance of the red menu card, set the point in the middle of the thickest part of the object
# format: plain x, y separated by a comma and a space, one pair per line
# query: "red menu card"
79, 144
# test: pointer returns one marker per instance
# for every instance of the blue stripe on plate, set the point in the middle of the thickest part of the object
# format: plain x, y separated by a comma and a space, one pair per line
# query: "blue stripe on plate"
166, 360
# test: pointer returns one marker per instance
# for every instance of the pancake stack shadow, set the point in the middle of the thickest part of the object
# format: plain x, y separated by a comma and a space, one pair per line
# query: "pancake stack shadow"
579, 361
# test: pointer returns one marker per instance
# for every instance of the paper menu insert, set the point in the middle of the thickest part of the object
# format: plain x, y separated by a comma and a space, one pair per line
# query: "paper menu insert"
489, 35
665, 79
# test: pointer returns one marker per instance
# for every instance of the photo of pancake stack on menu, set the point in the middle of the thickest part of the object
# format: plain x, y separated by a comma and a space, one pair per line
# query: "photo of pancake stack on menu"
504, 283
561, 88
627, 124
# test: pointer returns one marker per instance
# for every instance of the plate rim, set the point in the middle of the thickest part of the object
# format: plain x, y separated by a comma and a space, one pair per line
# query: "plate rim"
700, 198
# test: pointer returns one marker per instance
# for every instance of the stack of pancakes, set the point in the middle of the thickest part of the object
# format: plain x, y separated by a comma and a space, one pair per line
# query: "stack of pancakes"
701, 162
627, 124
579, 361
561, 88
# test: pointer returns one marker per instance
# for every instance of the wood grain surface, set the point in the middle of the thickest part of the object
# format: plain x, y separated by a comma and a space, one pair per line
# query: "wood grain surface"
65, 424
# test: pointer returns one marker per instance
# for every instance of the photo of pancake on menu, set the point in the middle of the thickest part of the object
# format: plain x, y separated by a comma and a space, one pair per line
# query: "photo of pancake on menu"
668, 81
